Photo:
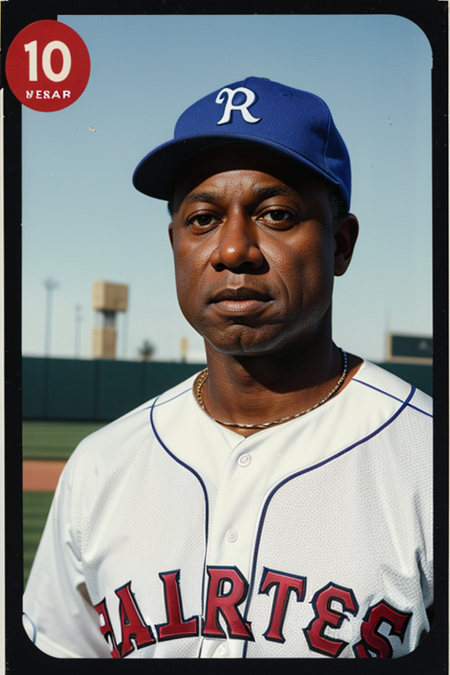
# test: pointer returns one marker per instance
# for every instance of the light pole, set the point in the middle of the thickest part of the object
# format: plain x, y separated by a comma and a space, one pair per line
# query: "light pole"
50, 285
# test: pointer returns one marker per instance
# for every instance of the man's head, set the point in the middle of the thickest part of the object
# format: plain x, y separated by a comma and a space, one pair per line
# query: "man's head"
259, 229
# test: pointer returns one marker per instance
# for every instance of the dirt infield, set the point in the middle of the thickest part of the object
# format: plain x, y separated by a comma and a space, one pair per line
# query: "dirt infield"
41, 476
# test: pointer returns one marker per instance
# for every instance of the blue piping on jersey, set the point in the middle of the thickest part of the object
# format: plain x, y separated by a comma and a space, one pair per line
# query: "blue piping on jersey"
396, 398
152, 403
300, 473
169, 399
33, 639
424, 412
197, 475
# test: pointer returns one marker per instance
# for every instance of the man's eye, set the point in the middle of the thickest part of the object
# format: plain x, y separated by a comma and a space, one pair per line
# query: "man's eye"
203, 220
277, 215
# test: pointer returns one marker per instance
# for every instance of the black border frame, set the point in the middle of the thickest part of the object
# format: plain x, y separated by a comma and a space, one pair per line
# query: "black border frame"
432, 17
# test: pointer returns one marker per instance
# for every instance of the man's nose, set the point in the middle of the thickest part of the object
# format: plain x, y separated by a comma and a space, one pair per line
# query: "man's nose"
238, 245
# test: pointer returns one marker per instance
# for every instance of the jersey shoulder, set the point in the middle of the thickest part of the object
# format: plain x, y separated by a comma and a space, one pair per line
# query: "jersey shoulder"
386, 384
117, 442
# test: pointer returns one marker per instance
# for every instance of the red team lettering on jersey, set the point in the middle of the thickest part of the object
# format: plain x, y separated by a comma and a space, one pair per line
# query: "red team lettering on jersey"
227, 591
328, 617
176, 626
373, 643
284, 584
225, 603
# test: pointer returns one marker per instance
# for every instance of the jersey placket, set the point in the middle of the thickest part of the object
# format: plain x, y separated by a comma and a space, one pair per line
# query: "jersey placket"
232, 534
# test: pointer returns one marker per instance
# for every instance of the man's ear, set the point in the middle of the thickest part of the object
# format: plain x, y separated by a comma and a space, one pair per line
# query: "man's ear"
171, 233
345, 235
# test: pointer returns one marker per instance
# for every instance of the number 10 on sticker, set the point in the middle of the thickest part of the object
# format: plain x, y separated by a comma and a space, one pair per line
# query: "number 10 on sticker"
47, 66
31, 48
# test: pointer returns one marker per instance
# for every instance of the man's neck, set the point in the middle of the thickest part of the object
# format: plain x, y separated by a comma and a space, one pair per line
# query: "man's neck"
261, 389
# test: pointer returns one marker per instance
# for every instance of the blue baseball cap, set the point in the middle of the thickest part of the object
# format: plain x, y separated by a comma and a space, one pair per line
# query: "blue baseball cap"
291, 122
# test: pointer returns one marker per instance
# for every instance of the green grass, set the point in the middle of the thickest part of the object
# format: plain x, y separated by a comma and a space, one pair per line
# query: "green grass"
35, 510
54, 440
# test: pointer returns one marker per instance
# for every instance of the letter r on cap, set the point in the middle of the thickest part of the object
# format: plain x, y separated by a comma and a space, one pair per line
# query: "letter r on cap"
243, 107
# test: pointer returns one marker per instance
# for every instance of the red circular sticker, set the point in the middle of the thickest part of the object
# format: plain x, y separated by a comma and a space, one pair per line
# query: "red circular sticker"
47, 66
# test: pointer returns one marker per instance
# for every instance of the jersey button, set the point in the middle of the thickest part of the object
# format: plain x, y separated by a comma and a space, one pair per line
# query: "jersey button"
222, 651
232, 536
244, 460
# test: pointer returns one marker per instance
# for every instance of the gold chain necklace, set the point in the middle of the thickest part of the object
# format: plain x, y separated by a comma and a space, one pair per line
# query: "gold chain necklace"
204, 376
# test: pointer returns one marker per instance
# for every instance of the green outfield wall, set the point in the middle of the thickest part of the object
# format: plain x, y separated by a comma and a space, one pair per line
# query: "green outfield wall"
97, 390
101, 390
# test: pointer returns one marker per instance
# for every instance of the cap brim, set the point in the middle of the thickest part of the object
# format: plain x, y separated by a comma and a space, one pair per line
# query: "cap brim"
154, 175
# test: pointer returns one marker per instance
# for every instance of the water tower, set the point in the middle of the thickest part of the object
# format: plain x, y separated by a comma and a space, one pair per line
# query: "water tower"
107, 300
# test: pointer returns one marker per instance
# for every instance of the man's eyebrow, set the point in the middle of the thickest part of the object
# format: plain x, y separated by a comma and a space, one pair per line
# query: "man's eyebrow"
263, 191
200, 197
275, 191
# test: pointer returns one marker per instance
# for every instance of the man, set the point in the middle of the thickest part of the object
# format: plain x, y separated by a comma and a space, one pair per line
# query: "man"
279, 503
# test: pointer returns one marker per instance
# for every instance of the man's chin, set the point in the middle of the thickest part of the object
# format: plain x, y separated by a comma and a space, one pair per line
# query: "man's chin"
244, 342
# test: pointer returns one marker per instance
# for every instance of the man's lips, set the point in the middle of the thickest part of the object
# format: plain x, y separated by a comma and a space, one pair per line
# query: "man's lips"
241, 300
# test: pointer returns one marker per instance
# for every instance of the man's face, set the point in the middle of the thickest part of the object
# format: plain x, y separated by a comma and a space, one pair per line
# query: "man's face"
256, 247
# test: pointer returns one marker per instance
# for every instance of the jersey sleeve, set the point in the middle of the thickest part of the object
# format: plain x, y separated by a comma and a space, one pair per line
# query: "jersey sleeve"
422, 405
58, 615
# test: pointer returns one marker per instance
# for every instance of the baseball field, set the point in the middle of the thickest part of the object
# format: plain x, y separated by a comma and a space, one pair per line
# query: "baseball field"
46, 448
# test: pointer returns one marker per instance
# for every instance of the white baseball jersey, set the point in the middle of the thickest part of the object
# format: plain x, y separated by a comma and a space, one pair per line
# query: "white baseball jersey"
171, 536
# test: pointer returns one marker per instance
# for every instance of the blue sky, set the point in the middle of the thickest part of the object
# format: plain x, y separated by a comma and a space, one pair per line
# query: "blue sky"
83, 221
